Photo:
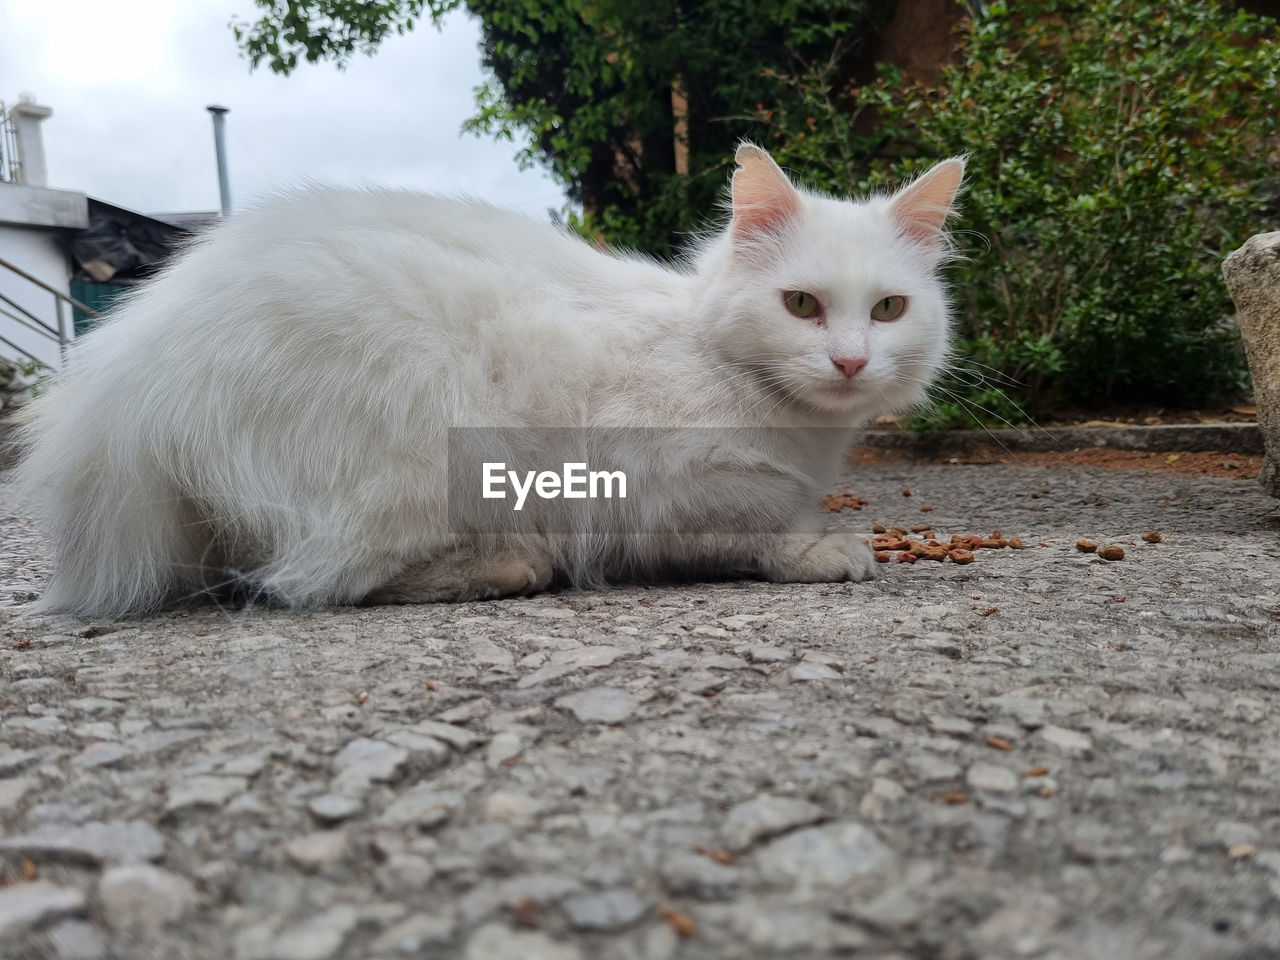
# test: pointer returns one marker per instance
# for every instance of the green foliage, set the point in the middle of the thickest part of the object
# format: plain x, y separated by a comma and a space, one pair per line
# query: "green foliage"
288, 31
585, 86
38, 375
1118, 149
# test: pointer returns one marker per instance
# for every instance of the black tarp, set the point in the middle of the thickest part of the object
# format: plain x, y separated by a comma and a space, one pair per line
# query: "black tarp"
120, 245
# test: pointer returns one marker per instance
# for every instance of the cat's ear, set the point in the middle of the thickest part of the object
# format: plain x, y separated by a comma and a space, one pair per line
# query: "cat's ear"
922, 207
763, 198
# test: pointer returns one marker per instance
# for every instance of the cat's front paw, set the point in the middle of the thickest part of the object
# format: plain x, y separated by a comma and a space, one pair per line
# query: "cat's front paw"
830, 559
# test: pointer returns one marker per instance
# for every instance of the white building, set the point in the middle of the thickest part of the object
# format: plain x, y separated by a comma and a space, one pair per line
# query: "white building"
36, 224
61, 251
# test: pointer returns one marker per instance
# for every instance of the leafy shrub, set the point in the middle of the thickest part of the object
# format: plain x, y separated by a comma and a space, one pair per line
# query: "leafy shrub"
1118, 149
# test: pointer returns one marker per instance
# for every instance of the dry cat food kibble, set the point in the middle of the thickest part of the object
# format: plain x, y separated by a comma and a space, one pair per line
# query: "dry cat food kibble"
1086, 546
679, 921
958, 549
1153, 536
1112, 552
835, 502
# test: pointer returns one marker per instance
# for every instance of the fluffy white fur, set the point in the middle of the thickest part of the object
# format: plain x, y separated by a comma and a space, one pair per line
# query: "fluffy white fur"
274, 408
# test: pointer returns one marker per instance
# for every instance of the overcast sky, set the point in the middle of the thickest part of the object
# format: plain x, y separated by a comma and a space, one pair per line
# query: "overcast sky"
128, 82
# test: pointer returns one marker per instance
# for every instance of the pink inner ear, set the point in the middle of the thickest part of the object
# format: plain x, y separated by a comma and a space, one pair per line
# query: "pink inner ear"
763, 198
922, 208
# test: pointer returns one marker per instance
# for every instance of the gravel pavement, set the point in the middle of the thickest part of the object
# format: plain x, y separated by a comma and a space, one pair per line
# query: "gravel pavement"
1040, 754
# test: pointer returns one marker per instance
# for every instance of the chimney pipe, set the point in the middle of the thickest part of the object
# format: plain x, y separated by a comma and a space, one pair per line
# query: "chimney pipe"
220, 145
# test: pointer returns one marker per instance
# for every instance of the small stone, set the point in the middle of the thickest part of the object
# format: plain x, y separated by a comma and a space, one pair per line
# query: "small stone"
488, 653
255, 643
883, 792
768, 655
13, 789
206, 791
552, 613
466, 712
117, 841
694, 875
422, 806
78, 940
1071, 742
405, 871
600, 704
1021, 927
943, 644
660, 941
929, 768
813, 671
507, 806
952, 726
96, 730
606, 910
456, 737
827, 856
1269, 860
414, 934
992, 778
564, 662
1040, 786
1011, 807
495, 941
1233, 833
428, 752
503, 746
140, 895
318, 938
895, 909
95, 705
766, 816
317, 851
365, 759
48, 724
1176, 854
543, 889
334, 807
27, 905
708, 631
102, 754
247, 765
247, 806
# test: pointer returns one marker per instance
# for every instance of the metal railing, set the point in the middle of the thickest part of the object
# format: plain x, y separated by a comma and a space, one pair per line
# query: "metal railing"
26, 318
10, 168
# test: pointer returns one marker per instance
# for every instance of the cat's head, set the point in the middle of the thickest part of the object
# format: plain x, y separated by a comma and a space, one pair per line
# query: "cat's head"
837, 305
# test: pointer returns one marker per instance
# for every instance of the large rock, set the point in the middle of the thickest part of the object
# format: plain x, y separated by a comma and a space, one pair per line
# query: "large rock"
1253, 278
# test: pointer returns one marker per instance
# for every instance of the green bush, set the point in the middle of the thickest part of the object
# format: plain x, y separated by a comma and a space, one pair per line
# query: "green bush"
1118, 149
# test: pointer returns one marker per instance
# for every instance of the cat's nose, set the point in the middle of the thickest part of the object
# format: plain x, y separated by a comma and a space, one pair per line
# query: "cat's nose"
849, 365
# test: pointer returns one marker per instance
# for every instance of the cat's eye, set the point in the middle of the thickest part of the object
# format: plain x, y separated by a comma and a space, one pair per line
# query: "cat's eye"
889, 308
801, 304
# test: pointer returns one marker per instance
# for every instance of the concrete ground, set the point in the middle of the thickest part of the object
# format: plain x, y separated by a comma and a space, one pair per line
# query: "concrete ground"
1040, 754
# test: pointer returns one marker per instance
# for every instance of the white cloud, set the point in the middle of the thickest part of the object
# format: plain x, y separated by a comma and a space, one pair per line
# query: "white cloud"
129, 81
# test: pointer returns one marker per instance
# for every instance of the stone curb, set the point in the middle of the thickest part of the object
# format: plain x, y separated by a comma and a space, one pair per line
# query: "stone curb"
1242, 438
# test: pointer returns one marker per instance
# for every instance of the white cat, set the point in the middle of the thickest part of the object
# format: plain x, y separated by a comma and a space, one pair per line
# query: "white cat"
275, 410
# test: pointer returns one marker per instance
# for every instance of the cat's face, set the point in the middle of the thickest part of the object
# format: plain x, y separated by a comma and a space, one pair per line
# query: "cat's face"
835, 305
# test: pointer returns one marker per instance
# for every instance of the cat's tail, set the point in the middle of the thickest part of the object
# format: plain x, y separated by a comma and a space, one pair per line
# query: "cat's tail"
119, 527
